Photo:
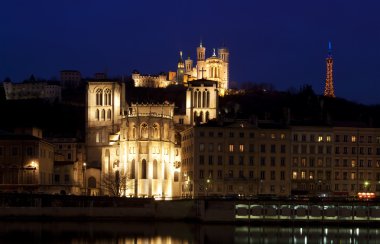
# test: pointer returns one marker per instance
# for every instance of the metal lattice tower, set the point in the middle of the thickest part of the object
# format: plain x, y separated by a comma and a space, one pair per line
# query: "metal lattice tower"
329, 86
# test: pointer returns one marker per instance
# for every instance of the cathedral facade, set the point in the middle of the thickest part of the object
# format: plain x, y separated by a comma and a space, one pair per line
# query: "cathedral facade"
135, 146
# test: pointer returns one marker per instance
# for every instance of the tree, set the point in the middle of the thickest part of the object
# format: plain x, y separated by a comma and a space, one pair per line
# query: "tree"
116, 184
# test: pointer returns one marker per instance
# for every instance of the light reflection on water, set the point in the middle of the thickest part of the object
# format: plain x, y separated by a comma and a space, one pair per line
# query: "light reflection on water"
178, 232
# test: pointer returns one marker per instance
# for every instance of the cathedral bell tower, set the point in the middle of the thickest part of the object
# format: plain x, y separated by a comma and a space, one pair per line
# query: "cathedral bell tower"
180, 69
201, 57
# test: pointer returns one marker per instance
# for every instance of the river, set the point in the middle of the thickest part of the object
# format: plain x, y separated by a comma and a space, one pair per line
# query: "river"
178, 232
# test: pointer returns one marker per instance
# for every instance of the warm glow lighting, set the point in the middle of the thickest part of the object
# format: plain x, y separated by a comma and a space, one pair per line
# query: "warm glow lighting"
366, 195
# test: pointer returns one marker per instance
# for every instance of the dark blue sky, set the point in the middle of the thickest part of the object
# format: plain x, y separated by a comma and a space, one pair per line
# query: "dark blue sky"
282, 42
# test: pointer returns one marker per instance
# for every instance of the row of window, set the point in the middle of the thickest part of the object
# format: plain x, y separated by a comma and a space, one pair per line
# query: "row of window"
241, 160
241, 134
201, 99
101, 114
242, 148
345, 175
273, 175
15, 151
312, 149
312, 162
338, 138
103, 97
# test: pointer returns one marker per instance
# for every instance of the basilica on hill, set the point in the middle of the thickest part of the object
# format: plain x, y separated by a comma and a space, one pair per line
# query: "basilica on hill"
215, 68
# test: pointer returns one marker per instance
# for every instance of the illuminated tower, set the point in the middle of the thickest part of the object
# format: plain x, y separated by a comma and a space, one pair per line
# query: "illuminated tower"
329, 87
180, 69
201, 56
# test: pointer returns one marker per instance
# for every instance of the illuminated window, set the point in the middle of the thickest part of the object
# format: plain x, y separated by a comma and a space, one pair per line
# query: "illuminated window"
294, 175
282, 136
107, 97
303, 175
97, 139
241, 148
320, 138
353, 163
144, 130
328, 138
231, 148
99, 97
353, 138
311, 175
273, 136
156, 131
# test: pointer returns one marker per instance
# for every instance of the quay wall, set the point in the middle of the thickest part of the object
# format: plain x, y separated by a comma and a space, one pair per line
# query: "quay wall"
202, 210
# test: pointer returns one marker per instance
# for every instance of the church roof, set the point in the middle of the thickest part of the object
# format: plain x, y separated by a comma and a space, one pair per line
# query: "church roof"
203, 82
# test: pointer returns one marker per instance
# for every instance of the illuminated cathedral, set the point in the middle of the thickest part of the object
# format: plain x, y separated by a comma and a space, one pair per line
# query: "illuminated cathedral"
215, 68
137, 145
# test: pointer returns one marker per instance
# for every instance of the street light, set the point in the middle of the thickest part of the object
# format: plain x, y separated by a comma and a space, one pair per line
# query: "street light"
366, 186
207, 186
84, 178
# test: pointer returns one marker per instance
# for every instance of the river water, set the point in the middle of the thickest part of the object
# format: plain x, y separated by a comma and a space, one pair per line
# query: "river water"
178, 232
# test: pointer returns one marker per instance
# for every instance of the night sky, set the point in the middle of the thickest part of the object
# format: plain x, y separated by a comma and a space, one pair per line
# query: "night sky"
282, 42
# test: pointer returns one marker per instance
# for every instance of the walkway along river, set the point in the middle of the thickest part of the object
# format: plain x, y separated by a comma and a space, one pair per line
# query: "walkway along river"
36, 206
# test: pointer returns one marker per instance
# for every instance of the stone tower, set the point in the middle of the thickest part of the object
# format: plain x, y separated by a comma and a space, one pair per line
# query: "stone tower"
105, 109
180, 69
201, 56
201, 101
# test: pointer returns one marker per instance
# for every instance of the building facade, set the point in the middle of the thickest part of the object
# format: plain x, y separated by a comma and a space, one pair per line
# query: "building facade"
26, 162
235, 159
32, 90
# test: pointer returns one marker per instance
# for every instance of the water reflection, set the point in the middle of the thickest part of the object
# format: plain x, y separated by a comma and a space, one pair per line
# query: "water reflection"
172, 233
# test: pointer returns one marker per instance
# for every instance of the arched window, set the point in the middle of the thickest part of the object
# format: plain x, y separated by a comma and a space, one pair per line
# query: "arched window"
208, 99
132, 169
99, 97
97, 114
107, 97
109, 114
195, 116
91, 182
204, 99
134, 132
199, 99
154, 169
156, 131
103, 114
207, 116
143, 169
144, 130
195, 100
